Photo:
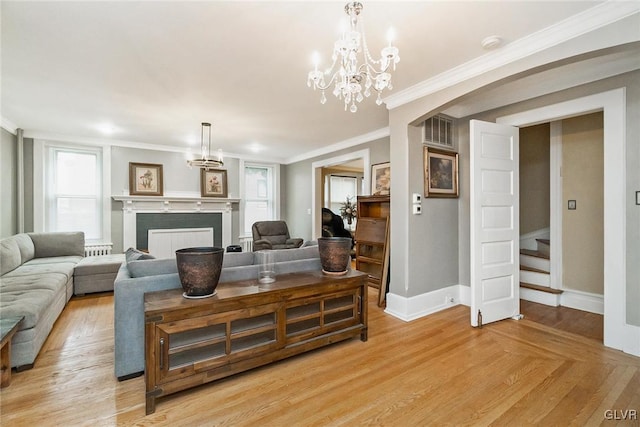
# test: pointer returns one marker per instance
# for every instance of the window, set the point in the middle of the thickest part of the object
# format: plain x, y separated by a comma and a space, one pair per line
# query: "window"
341, 187
259, 194
73, 191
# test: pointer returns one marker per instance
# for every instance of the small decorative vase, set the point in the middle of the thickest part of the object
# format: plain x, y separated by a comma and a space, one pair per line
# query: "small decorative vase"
199, 270
335, 254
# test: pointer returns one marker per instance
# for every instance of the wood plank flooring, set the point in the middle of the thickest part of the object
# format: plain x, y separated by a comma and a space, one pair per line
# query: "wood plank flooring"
435, 370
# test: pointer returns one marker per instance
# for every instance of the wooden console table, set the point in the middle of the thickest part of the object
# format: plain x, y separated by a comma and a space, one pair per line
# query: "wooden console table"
8, 327
189, 342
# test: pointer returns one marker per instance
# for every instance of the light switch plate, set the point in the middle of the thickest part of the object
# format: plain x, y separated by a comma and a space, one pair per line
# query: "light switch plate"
571, 205
417, 198
637, 197
417, 209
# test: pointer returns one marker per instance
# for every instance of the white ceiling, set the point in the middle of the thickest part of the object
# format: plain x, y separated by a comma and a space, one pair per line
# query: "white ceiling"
152, 71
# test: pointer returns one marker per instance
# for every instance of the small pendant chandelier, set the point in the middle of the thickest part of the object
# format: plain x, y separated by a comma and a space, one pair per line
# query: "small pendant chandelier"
207, 161
352, 79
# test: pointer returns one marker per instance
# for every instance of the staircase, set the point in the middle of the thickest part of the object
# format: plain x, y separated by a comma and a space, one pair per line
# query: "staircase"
535, 284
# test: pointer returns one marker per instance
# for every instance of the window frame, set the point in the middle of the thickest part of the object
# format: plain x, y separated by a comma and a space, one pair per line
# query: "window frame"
274, 175
43, 190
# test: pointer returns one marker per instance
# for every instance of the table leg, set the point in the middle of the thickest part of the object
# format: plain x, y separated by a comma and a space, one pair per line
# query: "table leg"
5, 365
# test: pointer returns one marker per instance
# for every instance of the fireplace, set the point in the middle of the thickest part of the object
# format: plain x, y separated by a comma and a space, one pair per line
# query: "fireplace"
144, 213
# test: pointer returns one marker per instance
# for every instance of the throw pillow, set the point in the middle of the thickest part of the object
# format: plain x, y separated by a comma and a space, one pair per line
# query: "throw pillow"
133, 254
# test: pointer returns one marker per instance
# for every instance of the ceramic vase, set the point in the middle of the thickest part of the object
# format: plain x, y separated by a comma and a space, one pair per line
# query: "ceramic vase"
335, 254
199, 270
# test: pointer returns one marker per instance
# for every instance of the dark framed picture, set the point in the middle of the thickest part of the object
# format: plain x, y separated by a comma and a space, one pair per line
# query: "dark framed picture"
213, 183
145, 179
440, 173
381, 179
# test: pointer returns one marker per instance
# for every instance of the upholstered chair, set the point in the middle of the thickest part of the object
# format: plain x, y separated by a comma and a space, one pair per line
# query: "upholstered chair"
273, 235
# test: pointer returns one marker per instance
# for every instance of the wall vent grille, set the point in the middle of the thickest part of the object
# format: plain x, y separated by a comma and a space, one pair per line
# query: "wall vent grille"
440, 131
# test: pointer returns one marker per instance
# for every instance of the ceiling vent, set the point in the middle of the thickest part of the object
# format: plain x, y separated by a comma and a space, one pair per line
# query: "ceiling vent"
439, 131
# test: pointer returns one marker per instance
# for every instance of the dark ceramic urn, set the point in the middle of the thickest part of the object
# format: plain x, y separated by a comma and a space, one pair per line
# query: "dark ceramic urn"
335, 254
199, 270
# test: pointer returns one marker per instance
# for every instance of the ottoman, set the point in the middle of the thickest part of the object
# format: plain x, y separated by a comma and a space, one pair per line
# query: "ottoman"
96, 273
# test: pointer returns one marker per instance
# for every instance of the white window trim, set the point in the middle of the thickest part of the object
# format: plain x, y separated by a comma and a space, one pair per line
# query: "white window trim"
276, 191
40, 148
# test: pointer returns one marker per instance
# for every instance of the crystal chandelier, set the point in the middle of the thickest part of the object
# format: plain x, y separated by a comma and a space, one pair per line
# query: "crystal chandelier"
207, 161
351, 80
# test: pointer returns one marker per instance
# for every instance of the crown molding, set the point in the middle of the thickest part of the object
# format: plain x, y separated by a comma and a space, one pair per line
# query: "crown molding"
8, 125
137, 145
589, 20
347, 143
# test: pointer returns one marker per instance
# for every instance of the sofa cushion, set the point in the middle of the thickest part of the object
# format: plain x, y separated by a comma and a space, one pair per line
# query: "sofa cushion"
36, 269
236, 259
152, 267
133, 254
58, 244
99, 264
10, 257
74, 259
27, 250
29, 296
282, 255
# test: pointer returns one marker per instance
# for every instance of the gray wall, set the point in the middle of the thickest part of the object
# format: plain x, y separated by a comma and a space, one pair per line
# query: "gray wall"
632, 83
8, 184
534, 178
178, 179
296, 181
583, 181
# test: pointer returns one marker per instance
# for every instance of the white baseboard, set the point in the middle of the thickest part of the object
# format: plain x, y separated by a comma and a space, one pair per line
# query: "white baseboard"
632, 340
585, 301
412, 308
540, 297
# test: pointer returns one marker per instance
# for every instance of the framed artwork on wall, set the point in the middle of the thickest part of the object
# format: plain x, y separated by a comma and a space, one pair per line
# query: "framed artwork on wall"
145, 179
381, 179
440, 173
213, 183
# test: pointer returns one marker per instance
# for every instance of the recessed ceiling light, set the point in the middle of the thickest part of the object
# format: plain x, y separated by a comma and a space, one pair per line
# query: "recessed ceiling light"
255, 147
491, 42
107, 128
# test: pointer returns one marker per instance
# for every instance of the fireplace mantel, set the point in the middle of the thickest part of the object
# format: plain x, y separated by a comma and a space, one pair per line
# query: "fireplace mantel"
132, 205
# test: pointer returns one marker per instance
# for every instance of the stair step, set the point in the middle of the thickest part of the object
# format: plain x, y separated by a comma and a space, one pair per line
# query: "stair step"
544, 246
533, 269
540, 288
533, 253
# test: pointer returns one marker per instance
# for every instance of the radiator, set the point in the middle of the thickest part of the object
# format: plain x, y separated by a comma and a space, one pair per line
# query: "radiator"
98, 249
247, 244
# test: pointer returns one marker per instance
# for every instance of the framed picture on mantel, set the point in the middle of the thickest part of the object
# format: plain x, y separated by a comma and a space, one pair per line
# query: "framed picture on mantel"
213, 183
145, 179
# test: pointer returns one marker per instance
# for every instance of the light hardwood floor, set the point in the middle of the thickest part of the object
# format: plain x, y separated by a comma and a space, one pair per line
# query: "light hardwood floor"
433, 371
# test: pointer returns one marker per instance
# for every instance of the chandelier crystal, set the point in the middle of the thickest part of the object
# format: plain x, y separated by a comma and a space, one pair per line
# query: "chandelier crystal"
207, 161
354, 80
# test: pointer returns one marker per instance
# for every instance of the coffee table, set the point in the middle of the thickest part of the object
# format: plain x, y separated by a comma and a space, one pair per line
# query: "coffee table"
8, 327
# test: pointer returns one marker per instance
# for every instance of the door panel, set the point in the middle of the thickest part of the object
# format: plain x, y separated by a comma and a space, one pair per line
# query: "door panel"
495, 265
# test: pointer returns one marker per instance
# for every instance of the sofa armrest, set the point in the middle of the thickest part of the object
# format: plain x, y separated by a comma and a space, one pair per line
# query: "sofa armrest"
262, 244
295, 241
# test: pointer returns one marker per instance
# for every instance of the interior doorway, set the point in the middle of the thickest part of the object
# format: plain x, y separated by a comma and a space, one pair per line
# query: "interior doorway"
572, 286
360, 157
616, 331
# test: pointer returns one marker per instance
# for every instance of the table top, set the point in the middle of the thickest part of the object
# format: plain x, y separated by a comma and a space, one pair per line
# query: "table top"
8, 325
290, 283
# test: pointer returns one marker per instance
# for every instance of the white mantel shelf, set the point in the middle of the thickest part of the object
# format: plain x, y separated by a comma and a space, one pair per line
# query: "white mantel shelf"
132, 205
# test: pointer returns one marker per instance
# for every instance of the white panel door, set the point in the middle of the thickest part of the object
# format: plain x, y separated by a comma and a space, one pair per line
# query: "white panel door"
495, 228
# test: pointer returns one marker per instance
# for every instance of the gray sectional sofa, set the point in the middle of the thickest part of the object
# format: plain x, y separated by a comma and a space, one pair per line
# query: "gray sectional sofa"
136, 277
36, 282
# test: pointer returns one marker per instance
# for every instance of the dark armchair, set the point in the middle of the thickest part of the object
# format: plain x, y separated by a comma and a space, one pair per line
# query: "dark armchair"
273, 235
332, 225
